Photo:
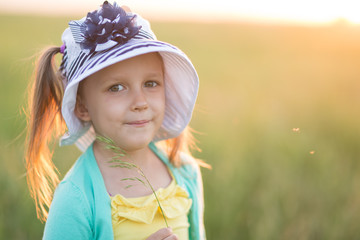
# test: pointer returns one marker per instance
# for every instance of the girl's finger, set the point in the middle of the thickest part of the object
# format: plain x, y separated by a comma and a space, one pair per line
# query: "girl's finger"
171, 237
161, 234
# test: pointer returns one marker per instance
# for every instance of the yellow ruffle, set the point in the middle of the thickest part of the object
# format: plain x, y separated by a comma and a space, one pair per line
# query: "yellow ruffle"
174, 201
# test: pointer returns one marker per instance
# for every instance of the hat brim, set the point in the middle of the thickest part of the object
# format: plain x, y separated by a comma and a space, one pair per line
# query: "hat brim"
181, 88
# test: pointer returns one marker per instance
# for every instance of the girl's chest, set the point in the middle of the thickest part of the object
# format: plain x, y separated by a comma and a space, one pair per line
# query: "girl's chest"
132, 183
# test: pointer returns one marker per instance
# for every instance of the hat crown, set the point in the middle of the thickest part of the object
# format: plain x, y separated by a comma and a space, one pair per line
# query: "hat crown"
73, 38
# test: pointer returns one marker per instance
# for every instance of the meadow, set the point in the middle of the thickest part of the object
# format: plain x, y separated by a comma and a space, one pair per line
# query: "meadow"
277, 117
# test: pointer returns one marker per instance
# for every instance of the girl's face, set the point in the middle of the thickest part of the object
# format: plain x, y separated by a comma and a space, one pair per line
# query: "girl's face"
125, 101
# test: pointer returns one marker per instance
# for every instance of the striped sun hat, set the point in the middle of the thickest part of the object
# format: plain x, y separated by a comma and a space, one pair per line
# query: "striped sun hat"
110, 35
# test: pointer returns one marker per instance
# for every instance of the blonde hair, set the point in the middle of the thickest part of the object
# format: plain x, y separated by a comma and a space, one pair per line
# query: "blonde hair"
184, 143
45, 123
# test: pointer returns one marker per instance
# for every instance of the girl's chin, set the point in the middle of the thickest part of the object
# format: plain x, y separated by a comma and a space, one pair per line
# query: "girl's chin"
131, 140
134, 144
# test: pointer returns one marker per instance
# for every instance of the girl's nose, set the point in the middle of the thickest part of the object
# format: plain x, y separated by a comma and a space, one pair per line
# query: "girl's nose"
140, 102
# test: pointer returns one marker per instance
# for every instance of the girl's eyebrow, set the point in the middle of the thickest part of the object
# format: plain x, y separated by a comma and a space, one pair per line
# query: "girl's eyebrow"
158, 72
114, 78
155, 74
121, 77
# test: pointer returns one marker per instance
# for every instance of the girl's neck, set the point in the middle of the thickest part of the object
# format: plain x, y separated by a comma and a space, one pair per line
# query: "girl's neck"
151, 166
139, 157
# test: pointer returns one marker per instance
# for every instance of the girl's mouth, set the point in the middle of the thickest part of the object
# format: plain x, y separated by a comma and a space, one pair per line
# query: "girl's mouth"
139, 123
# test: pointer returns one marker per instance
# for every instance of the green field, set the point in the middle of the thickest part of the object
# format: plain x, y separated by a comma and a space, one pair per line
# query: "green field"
257, 83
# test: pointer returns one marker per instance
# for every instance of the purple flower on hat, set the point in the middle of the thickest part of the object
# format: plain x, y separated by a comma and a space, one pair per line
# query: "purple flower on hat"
107, 27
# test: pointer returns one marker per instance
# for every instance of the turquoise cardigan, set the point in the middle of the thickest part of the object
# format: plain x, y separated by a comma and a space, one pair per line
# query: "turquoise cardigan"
81, 205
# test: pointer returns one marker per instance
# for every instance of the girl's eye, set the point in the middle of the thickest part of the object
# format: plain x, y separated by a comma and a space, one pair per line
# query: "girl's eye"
116, 88
151, 84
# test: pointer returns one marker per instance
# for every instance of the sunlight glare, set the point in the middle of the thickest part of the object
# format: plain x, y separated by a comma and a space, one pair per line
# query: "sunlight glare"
272, 11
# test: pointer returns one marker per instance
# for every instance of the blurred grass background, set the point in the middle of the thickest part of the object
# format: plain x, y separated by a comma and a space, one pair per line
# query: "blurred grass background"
259, 83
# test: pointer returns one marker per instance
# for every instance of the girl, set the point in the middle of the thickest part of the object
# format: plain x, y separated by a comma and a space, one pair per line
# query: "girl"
116, 81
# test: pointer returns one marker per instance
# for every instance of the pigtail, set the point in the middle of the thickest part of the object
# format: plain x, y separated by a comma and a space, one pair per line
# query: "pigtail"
184, 143
44, 123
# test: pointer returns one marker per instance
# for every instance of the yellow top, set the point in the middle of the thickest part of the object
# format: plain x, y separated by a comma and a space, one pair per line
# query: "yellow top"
138, 218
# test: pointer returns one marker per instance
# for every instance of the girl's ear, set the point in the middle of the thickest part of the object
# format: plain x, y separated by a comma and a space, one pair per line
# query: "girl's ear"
81, 110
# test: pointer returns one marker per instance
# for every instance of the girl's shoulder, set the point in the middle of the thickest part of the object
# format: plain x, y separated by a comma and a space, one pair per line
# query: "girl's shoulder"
81, 202
70, 210
76, 179
83, 178
188, 166
78, 170
84, 169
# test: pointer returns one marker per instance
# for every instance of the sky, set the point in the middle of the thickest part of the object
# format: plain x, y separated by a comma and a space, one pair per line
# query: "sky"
268, 11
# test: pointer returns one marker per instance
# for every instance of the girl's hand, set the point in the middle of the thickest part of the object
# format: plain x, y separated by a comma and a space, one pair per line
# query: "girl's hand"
163, 234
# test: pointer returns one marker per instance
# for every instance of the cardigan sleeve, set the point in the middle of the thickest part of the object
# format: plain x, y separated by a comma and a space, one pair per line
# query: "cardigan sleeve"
69, 216
191, 177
